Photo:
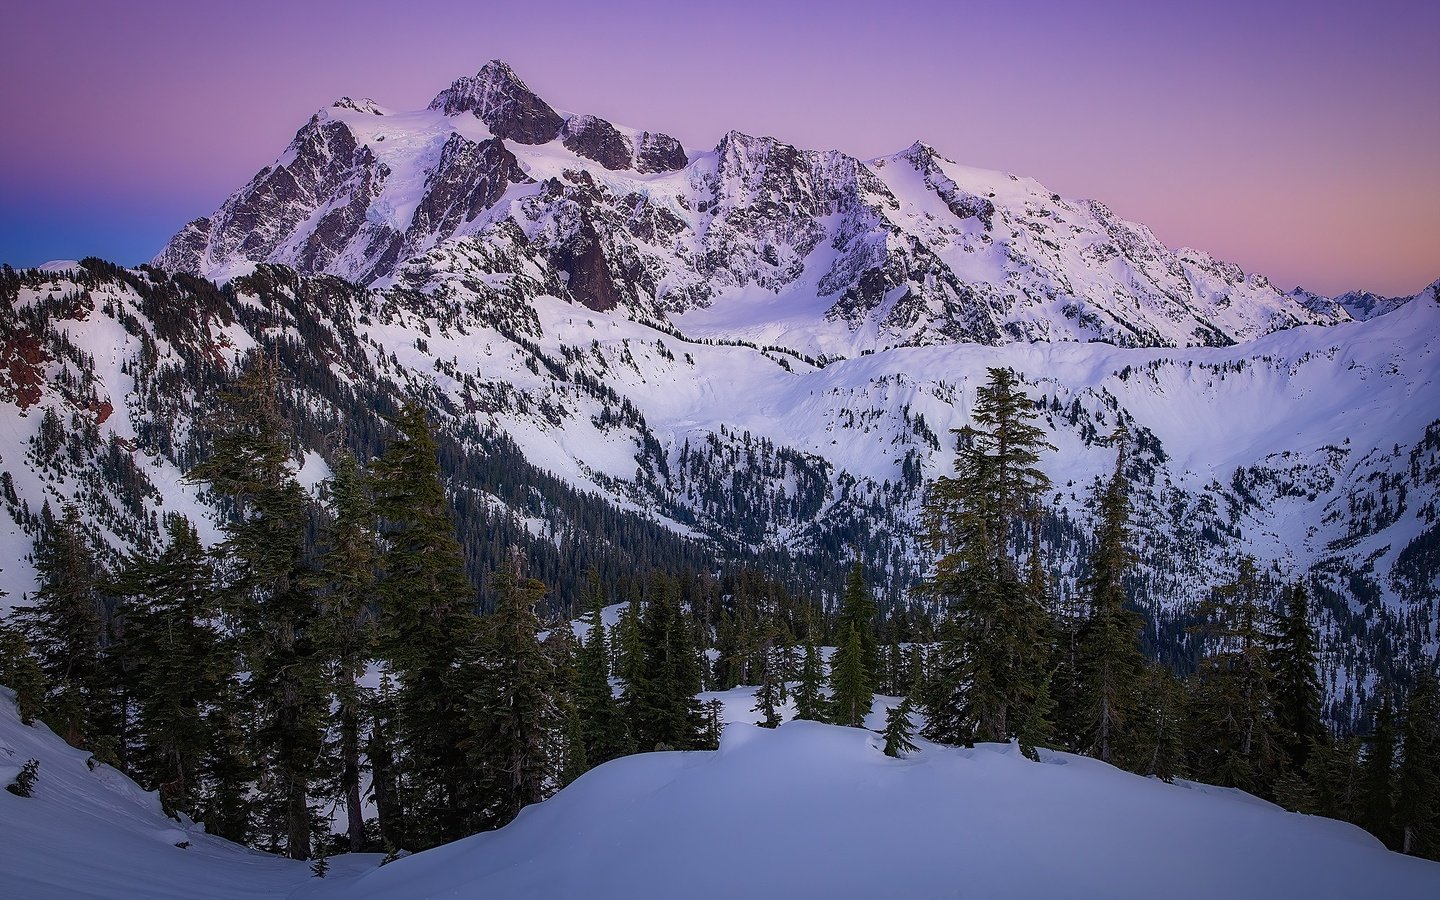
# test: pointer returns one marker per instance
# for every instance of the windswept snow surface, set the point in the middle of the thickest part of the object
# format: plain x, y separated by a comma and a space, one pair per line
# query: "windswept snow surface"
806, 810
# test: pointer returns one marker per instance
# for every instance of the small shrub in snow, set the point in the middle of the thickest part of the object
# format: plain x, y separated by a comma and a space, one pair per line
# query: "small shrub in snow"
24, 783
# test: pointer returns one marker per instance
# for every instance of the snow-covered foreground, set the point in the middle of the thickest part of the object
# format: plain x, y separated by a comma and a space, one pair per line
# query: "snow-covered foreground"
806, 810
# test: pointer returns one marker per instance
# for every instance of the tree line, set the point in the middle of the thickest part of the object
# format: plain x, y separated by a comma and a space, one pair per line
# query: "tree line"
331, 656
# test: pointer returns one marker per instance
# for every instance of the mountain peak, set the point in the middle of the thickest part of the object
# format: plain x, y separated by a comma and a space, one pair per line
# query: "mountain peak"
496, 96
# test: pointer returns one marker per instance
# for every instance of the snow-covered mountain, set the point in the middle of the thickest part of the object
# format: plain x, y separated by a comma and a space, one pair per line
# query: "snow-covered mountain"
590, 436
806, 810
815, 250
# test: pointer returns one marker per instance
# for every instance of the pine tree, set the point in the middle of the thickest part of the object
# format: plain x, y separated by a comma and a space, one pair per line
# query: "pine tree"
809, 703
1377, 777
251, 468
1417, 779
1332, 770
427, 623
569, 757
850, 694
182, 665
857, 610
601, 724
514, 717
767, 698
990, 671
898, 730
346, 636
1109, 640
1160, 725
65, 630
21, 672
1236, 738
659, 697
1294, 662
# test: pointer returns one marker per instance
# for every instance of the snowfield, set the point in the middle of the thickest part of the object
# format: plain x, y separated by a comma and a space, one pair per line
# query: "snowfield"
806, 810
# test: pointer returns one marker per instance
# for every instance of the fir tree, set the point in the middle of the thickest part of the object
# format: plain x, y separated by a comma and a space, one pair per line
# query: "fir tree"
767, 698
1236, 740
1377, 777
64, 626
659, 697
251, 468
857, 610
898, 730
1160, 723
809, 703
601, 724
570, 760
850, 694
990, 671
182, 665
21, 672
1294, 663
514, 716
346, 636
1109, 640
1417, 779
427, 623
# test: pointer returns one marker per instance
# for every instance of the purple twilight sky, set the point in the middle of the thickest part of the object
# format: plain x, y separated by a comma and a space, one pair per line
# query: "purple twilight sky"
1298, 138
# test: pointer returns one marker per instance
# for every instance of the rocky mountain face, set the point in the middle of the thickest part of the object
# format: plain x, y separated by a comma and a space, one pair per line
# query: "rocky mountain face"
755, 239
588, 437
754, 355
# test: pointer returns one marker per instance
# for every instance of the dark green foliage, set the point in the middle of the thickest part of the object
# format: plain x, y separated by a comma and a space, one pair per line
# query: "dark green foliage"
266, 592
1237, 740
898, 730
767, 698
64, 627
602, 726
809, 703
850, 693
991, 668
1108, 642
515, 718
1294, 663
1158, 739
427, 622
857, 610
659, 697
20, 671
345, 625
1417, 779
180, 663
1377, 778
24, 783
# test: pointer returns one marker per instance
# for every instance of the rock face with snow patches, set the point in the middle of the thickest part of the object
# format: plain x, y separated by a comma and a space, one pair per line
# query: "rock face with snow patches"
756, 237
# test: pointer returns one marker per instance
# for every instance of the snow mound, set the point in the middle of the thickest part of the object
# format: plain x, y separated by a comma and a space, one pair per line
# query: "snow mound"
811, 810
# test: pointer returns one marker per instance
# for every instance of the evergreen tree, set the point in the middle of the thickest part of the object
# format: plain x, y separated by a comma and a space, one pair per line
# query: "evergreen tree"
21, 672
850, 694
1332, 771
427, 623
1417, 779
182, 665
64, 627
1109, 640
990, 671
1377, 777
1160, 724
515, 717
857, 610
346, 628
767, 698
809, 703
1294, 662
898, 730
659, 697
602, 726
1236, 738
251, 468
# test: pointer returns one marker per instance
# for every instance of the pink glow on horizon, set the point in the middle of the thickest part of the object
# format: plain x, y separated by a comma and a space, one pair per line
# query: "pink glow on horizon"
1301, 140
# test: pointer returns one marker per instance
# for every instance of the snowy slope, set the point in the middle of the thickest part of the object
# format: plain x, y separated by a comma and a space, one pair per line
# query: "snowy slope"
1316, 448
755, 239
807, 810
